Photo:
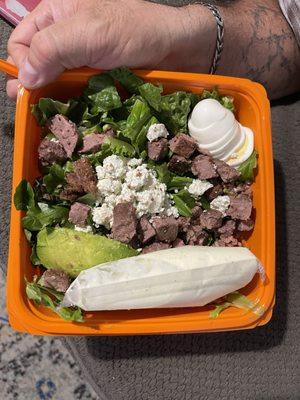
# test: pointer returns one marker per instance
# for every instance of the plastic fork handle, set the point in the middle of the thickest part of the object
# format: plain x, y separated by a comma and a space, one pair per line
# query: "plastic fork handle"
8, 68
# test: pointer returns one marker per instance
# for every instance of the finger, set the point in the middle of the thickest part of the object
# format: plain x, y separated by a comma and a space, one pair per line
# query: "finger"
20, 39
12, 88
55, 48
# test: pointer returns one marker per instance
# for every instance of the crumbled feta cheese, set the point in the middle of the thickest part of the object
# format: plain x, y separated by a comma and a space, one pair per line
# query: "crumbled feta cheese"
139, 177
157, 131
100, 170
198, 187
109, 186
121, 180
127, 195
172, 212
87, 229
114, 166
151, 201
220, 203
112, 199
134, 162
103, 215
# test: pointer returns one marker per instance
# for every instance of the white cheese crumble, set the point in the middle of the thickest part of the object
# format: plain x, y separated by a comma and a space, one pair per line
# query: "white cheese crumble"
109, 186
86, 229
198, 187
114, 167
103, 215
121, 180
157, 131
220, 203
134, 162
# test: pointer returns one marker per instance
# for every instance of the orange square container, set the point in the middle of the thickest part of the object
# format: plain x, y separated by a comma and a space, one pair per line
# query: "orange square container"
252, 110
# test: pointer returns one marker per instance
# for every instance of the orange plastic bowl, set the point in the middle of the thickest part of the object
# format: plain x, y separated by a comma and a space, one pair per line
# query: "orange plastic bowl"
252, 110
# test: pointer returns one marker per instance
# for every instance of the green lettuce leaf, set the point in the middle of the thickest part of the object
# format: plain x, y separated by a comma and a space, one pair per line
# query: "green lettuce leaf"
127, 79
24, 198
152, 94
44, 215
205, 204
88, 131
105, 100
118, 147
47, 108
247, 167
109, 147
140, 143
68, 167
136, 125
226, 101
184, 203
179, 182
51, 299
163, 174
237, 299
175, 108
218, 309
88, 199
96, 83
33, 257
54, 179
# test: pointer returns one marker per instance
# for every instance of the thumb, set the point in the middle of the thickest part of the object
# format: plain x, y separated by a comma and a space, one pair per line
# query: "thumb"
51, 51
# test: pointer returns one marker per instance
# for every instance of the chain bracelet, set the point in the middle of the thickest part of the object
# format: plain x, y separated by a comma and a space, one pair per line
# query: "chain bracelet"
220, 35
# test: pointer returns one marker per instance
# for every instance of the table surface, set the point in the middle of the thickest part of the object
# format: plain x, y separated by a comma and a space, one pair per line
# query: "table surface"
258, 364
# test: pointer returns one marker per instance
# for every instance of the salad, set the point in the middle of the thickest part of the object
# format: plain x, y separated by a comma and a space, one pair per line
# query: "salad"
124, 173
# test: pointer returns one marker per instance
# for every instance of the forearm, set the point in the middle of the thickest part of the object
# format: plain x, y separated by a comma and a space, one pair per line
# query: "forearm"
258, 44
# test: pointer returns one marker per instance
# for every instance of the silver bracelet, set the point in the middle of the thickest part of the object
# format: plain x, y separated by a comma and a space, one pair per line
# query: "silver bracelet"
220, 35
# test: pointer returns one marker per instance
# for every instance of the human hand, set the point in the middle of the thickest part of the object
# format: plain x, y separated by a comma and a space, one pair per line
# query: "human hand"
65, 34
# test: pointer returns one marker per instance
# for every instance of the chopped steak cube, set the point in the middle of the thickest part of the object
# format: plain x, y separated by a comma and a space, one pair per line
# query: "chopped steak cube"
245, 226
211, 219
227, 241
158, 149
78, 214
50, 152
204, 168
178, 243
55, 279
82, 180
228, 227
226, 172
84, 170
155, 247
214, 192
183, 145
166, 228
179, 165
244, 188
196, 212
183, 224
146, 231
196, 236
240, 207
124, 226
65, 131
93, 142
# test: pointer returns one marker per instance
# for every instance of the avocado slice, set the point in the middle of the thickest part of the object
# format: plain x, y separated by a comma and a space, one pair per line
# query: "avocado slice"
72, 251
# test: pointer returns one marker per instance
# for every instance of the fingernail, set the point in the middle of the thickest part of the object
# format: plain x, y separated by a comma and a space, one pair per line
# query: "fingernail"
28, 76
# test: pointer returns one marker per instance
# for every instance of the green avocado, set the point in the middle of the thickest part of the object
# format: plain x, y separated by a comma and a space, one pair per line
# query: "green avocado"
73, 251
